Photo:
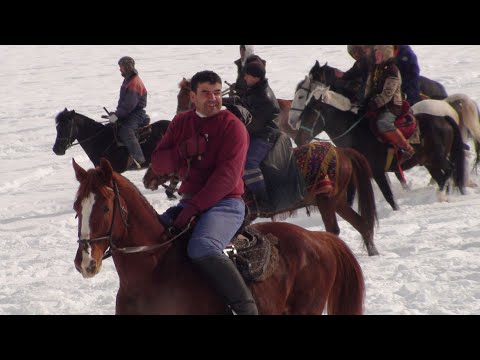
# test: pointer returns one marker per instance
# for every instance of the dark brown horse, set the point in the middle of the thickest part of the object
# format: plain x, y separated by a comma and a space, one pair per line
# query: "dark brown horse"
99, 140
316, 270
349, 168
440, 150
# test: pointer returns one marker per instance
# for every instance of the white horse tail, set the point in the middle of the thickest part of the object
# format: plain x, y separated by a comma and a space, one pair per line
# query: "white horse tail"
469, 114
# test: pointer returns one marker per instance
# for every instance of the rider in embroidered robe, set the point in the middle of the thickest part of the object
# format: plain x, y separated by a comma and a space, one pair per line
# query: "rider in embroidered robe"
383, 96
206, 147
353, 80
131, 110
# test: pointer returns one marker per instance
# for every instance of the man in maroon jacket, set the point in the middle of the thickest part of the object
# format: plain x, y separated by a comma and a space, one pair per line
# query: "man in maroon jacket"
207, 148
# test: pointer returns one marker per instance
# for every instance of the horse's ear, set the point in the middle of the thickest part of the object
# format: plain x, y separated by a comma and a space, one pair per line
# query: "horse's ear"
325, 64
66, 110
80, 173
105, 170
317, 64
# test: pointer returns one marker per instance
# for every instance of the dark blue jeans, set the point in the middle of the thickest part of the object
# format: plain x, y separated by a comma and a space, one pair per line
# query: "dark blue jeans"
257, 152
213, 229
127, 134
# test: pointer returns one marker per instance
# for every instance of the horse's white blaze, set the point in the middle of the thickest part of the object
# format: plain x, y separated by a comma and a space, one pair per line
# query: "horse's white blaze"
298, 104
87, 206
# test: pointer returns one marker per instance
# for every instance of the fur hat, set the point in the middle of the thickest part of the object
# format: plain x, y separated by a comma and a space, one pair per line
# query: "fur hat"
386, 50
128, 63
256, 69
354, 48
249, 50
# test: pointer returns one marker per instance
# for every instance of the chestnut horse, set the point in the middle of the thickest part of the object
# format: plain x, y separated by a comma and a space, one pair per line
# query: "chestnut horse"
316, 270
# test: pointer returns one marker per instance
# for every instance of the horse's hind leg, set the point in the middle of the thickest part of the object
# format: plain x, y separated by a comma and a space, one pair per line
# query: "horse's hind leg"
382, 182
354, 219
326, 205
441, 179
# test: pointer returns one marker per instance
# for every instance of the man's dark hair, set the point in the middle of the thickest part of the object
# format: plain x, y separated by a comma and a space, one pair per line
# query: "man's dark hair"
242, 47
203, 77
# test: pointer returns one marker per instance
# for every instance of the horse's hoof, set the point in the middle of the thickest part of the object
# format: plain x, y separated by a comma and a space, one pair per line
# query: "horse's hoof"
373, 251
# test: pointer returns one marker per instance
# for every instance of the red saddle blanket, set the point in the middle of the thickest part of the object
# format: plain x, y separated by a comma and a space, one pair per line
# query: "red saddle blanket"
406, 122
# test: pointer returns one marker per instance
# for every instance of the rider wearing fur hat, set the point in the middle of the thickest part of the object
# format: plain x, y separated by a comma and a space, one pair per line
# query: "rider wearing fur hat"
383, 96
353, 81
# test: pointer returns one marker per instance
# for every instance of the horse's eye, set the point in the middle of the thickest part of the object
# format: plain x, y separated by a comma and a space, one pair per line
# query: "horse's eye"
105, 209
76, 216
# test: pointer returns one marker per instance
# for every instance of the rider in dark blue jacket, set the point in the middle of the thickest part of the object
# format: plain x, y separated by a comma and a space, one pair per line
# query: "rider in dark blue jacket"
407, 63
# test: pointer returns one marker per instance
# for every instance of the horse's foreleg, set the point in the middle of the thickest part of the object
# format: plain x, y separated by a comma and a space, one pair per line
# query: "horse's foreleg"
326, 205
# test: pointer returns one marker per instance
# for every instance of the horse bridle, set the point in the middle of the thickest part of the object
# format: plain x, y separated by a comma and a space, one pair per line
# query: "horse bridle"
319, 116
70, 136
129, 249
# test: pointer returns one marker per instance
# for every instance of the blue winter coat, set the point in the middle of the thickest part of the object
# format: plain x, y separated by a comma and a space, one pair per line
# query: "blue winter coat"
407, 63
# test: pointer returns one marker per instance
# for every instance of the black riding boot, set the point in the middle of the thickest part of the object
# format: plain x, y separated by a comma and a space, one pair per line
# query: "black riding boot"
227, 281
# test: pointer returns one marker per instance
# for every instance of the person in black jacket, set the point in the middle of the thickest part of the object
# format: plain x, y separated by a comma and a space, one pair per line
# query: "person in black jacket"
260, 100
240, 86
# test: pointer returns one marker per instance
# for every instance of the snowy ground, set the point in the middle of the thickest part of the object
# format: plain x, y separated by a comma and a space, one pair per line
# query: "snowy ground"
429, 261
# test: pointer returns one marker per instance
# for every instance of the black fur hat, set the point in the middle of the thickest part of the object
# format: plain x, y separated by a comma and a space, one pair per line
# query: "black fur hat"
256, 69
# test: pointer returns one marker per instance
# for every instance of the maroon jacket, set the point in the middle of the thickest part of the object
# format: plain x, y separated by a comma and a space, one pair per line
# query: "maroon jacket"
218, 174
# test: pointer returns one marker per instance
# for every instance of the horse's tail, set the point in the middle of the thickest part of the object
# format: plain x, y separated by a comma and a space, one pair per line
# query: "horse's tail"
457, 155
348, 291
477, 143
362, 175
470, 117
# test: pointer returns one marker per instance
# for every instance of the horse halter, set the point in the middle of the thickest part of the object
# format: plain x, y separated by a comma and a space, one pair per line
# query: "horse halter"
111, 245
130, 249
69, 139
309, 95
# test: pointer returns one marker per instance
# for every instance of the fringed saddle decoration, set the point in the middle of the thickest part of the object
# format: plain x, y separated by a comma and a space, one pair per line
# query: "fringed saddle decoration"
317, 163
255, 254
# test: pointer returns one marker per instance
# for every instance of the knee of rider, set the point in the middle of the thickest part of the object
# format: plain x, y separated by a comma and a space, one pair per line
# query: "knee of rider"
197, 250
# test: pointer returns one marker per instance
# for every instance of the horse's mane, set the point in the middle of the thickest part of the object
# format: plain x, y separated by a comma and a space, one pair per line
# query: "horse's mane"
66, 115
124, 183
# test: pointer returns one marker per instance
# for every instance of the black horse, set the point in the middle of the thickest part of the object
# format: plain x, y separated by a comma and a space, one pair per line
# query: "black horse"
441, 148
100, 141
